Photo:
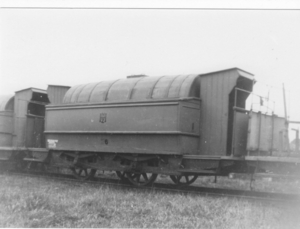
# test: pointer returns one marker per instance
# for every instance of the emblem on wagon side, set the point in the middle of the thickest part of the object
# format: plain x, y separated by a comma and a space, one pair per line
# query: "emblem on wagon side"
102, 117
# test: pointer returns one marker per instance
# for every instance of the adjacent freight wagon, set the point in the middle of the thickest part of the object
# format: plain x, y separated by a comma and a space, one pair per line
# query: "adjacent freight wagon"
140, 126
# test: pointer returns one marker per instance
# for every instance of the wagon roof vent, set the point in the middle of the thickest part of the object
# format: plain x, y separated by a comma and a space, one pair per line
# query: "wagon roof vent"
136, 76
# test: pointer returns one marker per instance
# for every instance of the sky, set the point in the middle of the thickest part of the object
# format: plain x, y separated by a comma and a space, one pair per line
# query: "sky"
68, 46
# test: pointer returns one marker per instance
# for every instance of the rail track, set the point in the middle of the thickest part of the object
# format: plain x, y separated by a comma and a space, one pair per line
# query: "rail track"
162, 187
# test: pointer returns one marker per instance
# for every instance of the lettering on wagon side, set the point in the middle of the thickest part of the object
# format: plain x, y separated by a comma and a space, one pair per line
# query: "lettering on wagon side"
52, 143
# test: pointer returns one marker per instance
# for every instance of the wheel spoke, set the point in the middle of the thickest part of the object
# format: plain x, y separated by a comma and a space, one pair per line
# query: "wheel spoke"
145, 176
83, 173
189, 179
122, 176
138, 177
135, 178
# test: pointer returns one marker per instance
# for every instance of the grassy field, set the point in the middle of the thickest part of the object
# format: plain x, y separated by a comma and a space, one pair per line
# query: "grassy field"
38, 202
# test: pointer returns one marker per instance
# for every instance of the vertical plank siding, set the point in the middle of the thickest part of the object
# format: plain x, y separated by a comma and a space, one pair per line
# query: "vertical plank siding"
214, 91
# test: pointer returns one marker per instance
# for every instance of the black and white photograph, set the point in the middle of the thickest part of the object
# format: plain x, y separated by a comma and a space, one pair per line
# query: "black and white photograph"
149, 114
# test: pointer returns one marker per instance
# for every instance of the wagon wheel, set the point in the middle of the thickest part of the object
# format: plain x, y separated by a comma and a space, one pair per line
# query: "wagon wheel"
141, 179
20, 165
45, 167
36, 166
83, 173
122, 176
184, 180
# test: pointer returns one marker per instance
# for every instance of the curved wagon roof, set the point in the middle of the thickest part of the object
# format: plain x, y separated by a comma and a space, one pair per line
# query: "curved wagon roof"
6, 102
136, 89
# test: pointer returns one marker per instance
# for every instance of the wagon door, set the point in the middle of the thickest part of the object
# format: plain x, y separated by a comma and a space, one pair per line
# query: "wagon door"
35, 131
35, 125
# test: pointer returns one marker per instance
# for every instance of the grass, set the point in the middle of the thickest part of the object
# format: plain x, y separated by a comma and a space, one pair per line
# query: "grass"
243, 183
38, 202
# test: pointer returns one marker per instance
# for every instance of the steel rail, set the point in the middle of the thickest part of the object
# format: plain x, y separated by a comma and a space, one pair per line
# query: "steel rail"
170, 188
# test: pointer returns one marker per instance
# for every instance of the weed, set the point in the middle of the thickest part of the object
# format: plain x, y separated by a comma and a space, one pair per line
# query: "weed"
37, 202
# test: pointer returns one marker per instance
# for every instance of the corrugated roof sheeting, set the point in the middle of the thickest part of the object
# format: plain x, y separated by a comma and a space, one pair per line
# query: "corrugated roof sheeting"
137, 88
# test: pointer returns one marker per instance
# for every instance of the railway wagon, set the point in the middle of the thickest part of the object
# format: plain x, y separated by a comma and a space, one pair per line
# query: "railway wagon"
183, 126
168, 115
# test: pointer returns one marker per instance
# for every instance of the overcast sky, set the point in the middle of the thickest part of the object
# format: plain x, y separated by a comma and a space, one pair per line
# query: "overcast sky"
76, 46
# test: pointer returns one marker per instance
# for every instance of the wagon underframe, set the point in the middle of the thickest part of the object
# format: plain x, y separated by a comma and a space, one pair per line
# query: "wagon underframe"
133, 165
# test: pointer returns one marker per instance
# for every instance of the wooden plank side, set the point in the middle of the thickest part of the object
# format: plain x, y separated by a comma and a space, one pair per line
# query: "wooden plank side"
215, 127
215, 89
219, 105
6, 129
241, 134
228, 124
278, 133
22, 99
205, 107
